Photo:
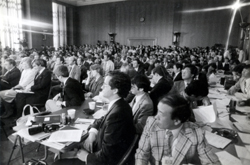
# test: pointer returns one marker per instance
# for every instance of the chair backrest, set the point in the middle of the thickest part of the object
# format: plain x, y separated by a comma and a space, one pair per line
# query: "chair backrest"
127, 154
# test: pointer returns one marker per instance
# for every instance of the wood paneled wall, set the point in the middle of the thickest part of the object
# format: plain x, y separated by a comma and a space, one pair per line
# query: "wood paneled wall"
162, 18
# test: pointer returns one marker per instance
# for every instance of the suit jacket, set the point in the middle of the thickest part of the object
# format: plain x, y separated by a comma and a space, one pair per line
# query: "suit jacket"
159, 90
41, 87
141, 112
12, 77
141, 70
178, 87
178, 77
115, 134
95, 86
191, 145
72, 93
75, 72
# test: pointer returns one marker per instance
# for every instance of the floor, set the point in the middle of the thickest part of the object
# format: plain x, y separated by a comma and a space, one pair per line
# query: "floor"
29, 150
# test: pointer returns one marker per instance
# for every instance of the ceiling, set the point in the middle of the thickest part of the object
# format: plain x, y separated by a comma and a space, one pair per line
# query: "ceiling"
87, 2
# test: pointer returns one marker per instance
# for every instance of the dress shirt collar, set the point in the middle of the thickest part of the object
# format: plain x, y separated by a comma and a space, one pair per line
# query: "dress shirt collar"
64, 82
41, 71
175, 132
138, 97
112, 102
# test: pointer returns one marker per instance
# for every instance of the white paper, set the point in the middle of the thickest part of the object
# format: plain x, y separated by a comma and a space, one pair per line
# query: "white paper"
244, 137
37, 137
242, 152
100, 113
240, 119
66, 136
22, 91
248, 147
82, 126
216, 140
205, 114
243, 109
215, 96
240, 96
84, 121
54, 145
244, 127
228, 159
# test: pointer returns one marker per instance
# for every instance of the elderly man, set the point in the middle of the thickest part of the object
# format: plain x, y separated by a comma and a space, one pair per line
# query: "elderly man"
169, 138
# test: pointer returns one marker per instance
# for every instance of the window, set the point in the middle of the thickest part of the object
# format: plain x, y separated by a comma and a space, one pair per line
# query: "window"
59, 25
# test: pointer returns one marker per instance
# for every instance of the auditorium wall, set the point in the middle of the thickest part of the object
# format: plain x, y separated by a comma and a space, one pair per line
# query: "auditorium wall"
161, 19
40, 11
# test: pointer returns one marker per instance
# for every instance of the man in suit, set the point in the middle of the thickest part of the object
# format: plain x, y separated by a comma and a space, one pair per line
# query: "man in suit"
188, 74
243, 83
168, 138
163, 83
40, 88
74, 70
138, 66
11, 77
110, 136
177, 72
142, 105
72, 94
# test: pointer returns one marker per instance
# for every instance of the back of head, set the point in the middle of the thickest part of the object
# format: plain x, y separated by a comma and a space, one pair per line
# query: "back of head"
197, 88
61, 71
193, 69
98, 68
121, 82
181, 107
160, 70
11, 61
40, 62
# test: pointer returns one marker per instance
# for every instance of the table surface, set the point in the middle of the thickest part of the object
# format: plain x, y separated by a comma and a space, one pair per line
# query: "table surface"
230, 148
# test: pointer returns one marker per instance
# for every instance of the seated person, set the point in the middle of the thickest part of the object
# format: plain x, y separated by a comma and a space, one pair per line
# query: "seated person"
110, 136
94, 81
40, 88
243, 83
177, 72
237, 70
170, 138
142, 105
163, 83
11, 77
72, 94
74, 70
26, 81
196, 93
188, 74
211, 77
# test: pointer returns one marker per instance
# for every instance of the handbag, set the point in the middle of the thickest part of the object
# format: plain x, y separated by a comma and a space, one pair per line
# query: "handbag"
26, 114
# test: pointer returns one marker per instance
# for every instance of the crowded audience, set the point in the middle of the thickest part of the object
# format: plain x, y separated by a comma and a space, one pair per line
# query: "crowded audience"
150, 89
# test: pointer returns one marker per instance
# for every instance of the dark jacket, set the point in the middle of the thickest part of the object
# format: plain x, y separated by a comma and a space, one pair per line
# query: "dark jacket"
12, 79
160, 89
178, 77
41, 87
115, 134
72, 93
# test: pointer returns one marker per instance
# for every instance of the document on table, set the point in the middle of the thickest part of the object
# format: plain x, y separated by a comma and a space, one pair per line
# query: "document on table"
240, 118
244, 127
66, 136
240, 96
226, 158
243, 109
242, 152
248, 147
84, 121
216, 140
244, 137
205, 114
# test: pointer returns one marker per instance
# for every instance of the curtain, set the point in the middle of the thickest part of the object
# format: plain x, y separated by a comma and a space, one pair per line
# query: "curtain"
59, 25
10, 23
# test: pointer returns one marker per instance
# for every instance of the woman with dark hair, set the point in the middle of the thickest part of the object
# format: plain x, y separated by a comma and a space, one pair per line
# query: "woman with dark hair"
94, 81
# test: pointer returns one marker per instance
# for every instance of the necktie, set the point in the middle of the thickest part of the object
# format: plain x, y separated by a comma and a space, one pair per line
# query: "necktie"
37, 74
168, 143
133, 105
